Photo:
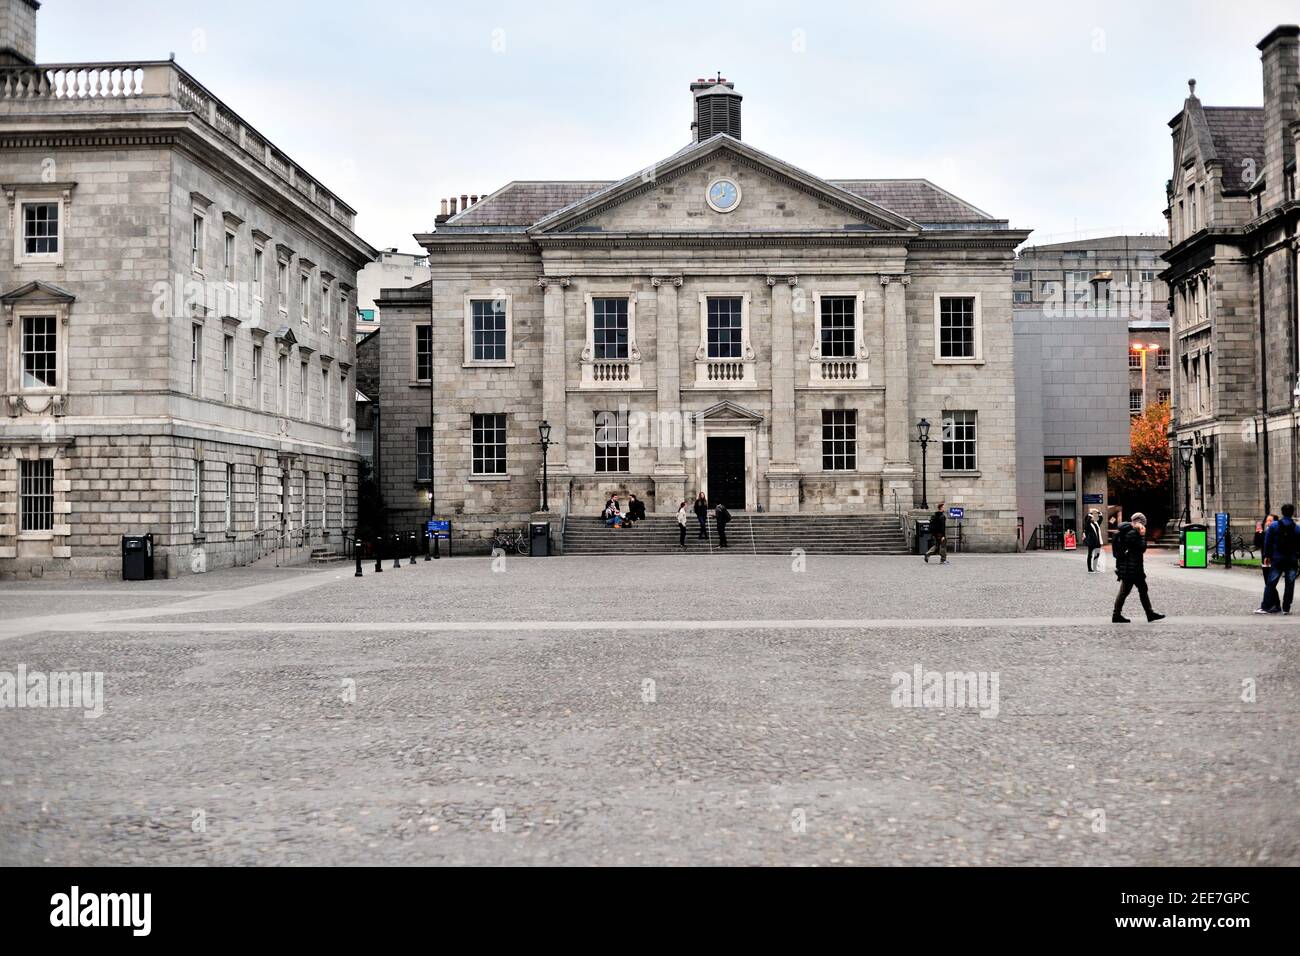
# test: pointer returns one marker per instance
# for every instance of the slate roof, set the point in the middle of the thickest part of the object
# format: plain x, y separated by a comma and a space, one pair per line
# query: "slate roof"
524, 202
1238, 136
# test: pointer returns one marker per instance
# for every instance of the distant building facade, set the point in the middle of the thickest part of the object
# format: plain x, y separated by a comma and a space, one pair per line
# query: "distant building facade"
177, 350
721, 322
391, 270
1232, 275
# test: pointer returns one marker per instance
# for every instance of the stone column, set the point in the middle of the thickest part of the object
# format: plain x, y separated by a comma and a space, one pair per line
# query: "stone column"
899, 475
783, 468
669, 431
555, 408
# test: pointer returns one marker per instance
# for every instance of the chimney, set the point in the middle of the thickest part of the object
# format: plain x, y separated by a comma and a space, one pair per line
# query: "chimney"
464, 202
18, 32
473, 198
717, 108
1280, 53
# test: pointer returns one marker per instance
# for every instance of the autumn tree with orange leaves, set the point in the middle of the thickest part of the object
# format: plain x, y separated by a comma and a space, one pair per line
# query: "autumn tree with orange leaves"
1140, 481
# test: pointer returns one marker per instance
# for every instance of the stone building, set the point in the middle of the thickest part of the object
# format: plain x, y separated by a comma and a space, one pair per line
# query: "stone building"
177, 346
718, 321
391, 270
1101, 279
1233, 214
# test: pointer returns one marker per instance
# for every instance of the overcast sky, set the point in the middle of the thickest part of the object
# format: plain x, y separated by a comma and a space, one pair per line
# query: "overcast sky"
1049, 115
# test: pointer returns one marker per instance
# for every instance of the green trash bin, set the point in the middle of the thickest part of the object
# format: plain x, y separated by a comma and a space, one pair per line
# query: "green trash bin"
1193, 546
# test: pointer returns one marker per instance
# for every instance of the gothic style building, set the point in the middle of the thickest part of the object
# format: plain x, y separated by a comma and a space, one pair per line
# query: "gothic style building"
177, 349
1233, 215
720, 321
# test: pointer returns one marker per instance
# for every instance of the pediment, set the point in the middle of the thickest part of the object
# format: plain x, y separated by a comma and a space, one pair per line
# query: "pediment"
37, 291
670, 197
285, 334
728, 411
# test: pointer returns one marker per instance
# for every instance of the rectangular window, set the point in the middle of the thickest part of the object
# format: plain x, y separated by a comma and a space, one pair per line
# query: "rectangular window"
1162, 359
228, 367
957, 327
343, 314
41, 228
325, 395
423, 455
1135, 401
611, 442
838, 321
304, 398
1022, 275
36, 495
257, 498
959, 441
259, 272
725, 327
196, 492
326, 305
257, 376
488, 330
839, 439
1022, 297
609, 328
423, 352
230, 497
305, 290
282, 284
40, 357
229, 260
489, 444
1134, 359
196, 359
1162, 396
282, 382
196, 243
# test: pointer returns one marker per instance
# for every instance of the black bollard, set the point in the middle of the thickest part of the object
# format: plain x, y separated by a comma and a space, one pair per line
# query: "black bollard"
356, 548
379, 564
436, 555
397, 550
413, 548
428, 545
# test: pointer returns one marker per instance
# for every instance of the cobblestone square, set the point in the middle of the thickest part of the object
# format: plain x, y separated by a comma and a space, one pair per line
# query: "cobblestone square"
656, 710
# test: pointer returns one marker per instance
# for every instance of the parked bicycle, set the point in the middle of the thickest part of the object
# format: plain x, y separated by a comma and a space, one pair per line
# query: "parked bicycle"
510, 539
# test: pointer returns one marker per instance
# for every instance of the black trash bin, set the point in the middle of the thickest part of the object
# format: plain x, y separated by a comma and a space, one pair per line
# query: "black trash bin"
922, 535
137, 557
539, 539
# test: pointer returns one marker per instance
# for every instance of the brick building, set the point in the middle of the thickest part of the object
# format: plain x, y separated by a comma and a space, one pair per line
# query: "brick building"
177, 346
1233, 215
719, 321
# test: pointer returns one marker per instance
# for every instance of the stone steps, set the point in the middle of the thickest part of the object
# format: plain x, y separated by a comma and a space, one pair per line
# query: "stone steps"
747, 533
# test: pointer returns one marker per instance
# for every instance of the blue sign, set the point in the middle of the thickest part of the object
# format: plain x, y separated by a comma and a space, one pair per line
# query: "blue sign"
1221, 533
438, 529
956, 514
1093, 499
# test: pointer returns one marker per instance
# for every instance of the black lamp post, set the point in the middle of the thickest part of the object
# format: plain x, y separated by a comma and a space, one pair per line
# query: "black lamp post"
544, 435
1185, 456
923, 438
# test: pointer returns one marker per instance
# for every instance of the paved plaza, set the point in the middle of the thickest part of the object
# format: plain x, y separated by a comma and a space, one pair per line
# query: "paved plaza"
658, 710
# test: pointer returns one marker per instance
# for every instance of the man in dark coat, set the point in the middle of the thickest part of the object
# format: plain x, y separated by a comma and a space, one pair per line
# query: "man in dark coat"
702, 515
938, 536
1092, 539
722, 516
1129, 545
1281, 544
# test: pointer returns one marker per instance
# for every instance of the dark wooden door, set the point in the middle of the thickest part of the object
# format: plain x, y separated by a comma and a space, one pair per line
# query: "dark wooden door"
727, 472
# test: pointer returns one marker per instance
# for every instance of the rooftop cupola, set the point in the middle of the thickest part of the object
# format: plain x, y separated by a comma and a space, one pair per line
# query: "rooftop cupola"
717, 108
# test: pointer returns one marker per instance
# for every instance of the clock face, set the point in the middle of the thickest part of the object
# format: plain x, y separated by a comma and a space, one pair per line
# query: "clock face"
723, 195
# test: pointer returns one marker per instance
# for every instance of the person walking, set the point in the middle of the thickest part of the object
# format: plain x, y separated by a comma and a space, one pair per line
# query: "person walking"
1261, 529
938, 536
721, 515
1281, 550
702, 514
681, 523
1128, 548
1092, 540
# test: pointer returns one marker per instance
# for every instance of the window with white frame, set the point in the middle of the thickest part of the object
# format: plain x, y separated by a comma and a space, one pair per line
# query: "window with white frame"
40, 225
1134, 358
228, 367
196, 359
1162, 396
1162, 358
257, 376
196, 243
487, 333
229, 516
36, 495
724, 327
610, 441
40, 351
1135, 401
196, 492
228, 261
609, 328
839, 326
282, 284
325, 395
345, 324
488, 440
959, 444
282, 382
839, 439
423, 352
304, 397
259, 272
304, 290
257, 498
423, 454
1022, 297
957, 328
1022, 275
326, 307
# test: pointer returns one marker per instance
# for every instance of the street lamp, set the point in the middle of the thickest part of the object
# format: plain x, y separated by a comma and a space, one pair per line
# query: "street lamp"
1185, 456
544, 434
923, 438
